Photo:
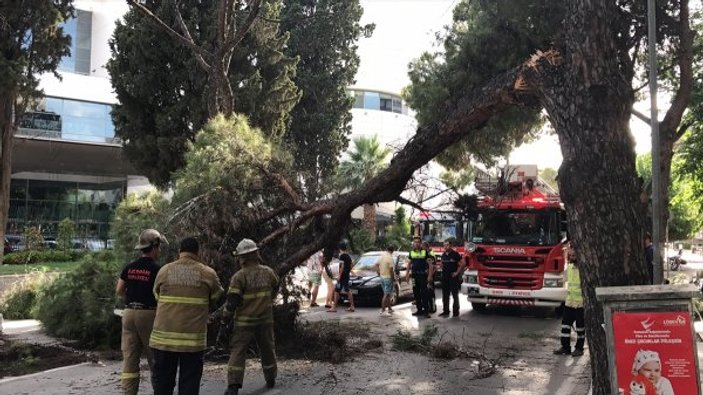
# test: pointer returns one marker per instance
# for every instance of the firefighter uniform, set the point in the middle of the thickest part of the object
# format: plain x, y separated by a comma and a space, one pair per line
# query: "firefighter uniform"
185, 289
137, 319
419, 268
573, 312
256, 285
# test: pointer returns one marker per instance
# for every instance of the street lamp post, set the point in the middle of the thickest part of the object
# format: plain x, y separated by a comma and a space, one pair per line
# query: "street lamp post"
656, 148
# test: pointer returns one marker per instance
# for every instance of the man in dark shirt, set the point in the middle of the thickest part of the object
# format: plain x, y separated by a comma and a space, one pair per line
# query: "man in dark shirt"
452, 266
343, 279
136, 284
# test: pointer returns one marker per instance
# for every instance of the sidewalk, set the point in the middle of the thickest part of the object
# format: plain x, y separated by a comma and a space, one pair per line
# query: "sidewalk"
531, 370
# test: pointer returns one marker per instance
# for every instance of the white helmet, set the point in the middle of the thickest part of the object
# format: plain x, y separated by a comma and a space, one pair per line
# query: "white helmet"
245, 246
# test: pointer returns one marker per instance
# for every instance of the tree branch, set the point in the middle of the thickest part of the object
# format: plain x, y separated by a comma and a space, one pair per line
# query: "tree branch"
683, 95
641, 116
410, 203
254, 8
201, 55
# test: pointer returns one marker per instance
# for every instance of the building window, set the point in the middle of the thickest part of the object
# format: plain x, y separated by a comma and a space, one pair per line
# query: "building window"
45, 203
80, 30
372, 101
386, 102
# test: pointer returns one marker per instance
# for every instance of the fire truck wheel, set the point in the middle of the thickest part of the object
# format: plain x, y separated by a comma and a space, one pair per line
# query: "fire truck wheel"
480, 307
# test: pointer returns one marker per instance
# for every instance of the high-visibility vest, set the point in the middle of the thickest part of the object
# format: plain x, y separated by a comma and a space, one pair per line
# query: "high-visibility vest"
418, 261
574, 296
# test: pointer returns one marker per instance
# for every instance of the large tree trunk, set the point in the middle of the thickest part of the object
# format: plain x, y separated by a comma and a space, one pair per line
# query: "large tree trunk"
370, 219
589, 101
7, 128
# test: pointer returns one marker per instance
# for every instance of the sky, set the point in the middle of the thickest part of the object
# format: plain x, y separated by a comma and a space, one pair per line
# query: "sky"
406, 28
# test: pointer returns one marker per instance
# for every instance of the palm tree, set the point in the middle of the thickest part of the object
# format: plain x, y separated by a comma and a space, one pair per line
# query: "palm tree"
366, 159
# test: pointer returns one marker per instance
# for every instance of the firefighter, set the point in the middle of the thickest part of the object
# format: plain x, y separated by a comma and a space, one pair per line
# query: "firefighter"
250, 300
135, 284
573, 310
422, 273
184, 289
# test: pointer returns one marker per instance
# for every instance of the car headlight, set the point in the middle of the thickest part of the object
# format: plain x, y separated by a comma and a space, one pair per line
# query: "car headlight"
374, 282
553, 283
470, 247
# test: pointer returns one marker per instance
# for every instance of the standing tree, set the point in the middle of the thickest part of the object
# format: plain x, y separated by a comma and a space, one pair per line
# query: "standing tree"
32, 42
320, 122
226, 52
365, 161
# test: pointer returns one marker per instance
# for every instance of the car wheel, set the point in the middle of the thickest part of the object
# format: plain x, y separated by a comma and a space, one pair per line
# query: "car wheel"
480, 307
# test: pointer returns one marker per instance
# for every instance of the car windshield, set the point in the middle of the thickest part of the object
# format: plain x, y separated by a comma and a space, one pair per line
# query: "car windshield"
436, 232
367, 263
517, 227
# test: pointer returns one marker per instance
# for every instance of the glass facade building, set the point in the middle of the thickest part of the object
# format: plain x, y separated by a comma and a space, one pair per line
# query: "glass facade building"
45, 203
380, 101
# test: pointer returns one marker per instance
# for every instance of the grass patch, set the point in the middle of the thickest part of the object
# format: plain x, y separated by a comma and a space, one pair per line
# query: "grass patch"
45, 266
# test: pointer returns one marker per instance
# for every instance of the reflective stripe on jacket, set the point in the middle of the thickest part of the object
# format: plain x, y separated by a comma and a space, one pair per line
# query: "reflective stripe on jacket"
184, 289
255, 284
418, 262
574, 296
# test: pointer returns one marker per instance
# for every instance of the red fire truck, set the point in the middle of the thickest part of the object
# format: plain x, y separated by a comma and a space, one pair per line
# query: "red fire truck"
514, 253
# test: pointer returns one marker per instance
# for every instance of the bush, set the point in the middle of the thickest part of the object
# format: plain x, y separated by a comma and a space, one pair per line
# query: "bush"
19, 301
79, 305
134, 214
67, 230
27, 257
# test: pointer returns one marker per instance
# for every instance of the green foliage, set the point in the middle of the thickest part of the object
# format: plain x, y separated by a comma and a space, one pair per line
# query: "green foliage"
366, 159
134, 214
361, 240
32, 42
79, 305
404, 340
162, 89
485, 39
458, 179
33, 239
398, 233
549, 176
67, 230
18, 302
27, 257
685, 199
223, 191
320, 122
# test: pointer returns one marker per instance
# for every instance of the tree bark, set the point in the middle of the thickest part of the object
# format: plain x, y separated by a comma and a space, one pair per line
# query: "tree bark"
588, 100
7, 127
370, 219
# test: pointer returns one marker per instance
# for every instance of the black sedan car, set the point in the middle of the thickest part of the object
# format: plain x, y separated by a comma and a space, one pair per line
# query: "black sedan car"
365, 283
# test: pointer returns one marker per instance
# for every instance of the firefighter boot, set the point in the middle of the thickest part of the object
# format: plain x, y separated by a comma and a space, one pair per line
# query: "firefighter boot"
232, 390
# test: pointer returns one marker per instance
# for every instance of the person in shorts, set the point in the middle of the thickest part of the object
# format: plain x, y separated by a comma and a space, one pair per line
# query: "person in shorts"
343, 279
314, 277
387, 275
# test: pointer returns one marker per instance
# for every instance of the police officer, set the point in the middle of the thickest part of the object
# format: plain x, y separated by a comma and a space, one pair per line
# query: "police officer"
422, 273
136, 283
250, 299
185, 289
573, 310
452, 267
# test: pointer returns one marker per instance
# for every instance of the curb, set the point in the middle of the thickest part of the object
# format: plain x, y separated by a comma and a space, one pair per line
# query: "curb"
27, 376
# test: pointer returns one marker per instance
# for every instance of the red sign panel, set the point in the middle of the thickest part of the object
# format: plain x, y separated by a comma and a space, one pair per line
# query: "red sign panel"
654, 353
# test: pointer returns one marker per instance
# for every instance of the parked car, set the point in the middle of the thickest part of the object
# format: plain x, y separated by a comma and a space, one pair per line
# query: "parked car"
365, 283
7, 247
